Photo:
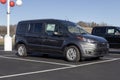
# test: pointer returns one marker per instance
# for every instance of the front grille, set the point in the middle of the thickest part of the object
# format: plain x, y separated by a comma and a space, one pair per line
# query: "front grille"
102, 45
101, 52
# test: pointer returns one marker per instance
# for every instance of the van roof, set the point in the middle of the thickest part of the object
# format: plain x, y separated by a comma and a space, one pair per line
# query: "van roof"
104, 26
43, 20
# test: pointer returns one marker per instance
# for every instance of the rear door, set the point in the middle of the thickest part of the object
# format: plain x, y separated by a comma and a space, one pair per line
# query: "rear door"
34, 36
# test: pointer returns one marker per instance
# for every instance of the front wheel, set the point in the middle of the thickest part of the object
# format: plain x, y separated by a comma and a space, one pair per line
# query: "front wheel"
21, 50
72, 54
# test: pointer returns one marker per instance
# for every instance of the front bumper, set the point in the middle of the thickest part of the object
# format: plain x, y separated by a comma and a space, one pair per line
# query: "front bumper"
94, 49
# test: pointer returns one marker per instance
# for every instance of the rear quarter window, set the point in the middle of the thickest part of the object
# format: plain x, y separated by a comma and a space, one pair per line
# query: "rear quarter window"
22, 27
35, 28
98, 31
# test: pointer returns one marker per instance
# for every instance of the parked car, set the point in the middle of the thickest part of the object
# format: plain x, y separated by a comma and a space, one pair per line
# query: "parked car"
110, 33
58, 36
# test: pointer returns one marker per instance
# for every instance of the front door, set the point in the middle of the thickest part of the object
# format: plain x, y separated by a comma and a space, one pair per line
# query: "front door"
53, 43
113, 37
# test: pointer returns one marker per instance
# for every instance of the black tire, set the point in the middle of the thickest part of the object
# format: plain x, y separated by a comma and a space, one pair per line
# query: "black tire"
72, 54
21, 50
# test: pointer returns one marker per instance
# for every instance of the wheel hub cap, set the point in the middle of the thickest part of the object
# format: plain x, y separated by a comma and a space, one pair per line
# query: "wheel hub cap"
71, 53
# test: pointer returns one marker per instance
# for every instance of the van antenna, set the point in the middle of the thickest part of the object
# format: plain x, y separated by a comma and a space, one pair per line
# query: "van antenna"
67, 19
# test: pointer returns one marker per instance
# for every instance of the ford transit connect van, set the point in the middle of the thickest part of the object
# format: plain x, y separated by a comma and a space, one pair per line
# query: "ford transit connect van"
58, 36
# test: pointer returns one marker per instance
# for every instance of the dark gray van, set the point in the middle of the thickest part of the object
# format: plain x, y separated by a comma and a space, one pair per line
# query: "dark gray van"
110, 33
58, 36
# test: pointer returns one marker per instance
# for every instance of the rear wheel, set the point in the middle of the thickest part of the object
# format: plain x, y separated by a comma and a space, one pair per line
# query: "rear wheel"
72, 54
21, 50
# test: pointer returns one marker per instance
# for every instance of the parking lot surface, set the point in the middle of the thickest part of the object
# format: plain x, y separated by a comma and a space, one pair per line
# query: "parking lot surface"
54, 67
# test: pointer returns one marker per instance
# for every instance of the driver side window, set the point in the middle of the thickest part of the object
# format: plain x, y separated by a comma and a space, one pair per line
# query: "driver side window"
113, 31
50, 29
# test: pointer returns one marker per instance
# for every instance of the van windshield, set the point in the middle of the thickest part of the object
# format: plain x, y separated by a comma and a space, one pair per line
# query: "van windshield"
74, 28
118, 29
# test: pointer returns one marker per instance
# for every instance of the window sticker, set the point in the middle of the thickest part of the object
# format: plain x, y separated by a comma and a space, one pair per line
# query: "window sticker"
50, 27
111, 31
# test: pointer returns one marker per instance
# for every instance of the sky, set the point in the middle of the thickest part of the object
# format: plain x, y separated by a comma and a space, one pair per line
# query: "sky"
99, 11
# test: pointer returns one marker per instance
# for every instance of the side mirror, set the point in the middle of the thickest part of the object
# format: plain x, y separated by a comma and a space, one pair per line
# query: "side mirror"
117, 33
57, 34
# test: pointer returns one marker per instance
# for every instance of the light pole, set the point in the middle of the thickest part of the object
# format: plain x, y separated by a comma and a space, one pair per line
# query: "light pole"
7, 38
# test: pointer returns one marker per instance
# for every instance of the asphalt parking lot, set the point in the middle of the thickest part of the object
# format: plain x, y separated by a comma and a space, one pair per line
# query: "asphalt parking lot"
54, 67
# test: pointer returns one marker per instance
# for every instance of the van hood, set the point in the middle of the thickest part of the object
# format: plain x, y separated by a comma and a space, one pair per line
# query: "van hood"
95, 38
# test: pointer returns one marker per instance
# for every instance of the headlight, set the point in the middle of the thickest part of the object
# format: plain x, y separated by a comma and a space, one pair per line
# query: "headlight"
86, 39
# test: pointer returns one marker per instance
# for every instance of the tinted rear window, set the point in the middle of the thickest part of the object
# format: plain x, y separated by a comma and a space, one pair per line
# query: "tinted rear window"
22, 27
99, 30
35, 27
38, 28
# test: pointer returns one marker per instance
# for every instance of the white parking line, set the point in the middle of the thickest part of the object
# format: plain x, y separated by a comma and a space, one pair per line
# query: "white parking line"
98, 62
115, 54
8, 55
29, 60
108, 58
63, 68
